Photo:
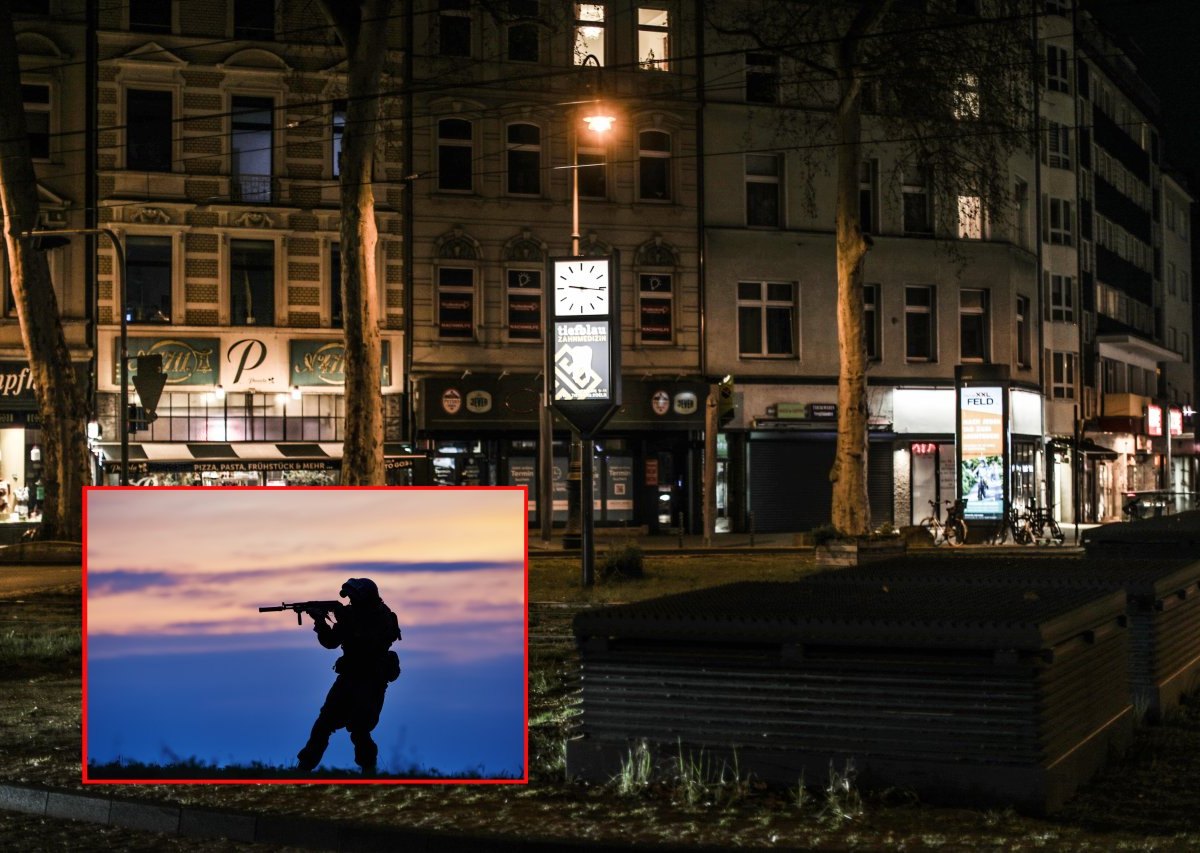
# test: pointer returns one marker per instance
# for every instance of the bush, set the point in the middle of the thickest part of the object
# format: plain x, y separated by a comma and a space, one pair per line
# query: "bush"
622, 564
823, 534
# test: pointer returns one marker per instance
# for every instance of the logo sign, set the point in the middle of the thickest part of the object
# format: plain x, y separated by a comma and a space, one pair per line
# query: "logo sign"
924, 448
185, 361
479, 402
685, 403
581, 352
981, 459
660, 402
451, 401
324, 363
1154, 420
822, 411
1175, 421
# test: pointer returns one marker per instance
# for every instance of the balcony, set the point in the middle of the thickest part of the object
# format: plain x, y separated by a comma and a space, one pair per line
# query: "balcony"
1124, 405
253, 189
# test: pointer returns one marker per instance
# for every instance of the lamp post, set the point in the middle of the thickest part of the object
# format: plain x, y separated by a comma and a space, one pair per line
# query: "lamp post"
119, 275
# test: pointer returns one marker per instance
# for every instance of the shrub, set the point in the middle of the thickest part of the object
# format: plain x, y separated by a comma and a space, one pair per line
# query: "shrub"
622, 564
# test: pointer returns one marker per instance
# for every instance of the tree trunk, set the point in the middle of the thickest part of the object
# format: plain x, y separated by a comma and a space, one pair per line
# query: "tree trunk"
363, 29
60, 402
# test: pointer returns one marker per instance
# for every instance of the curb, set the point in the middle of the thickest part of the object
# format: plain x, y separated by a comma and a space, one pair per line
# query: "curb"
289, 831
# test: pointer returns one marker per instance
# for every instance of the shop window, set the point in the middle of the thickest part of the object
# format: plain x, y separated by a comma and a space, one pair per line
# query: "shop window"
148, 265
524, 159
766, 318
654, 39
253, 19
456, 303
593, 172
1060, 306
524, 305
454, 27
150, 16
762, 78
336, 320
973, 325
36, 97
455, 155
871, 327
251, 282
1024, 351
337, 130
149, 130
655, 311
1062, 375
251, 148
920, 323
590, 23
763, 173
916, 212
654, 166
523, 41
868, 196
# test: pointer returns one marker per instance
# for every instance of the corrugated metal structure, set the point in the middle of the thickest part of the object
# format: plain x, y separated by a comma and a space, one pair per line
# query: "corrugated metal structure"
963, 692
1162, 606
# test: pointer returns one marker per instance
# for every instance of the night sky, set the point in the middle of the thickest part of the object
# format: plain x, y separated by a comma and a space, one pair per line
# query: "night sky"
181, 663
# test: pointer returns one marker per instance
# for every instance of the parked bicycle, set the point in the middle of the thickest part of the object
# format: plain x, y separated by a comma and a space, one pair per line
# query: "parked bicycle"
1042, 525
953, 530
1015, 526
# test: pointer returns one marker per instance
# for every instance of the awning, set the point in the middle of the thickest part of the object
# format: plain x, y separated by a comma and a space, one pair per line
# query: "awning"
179, 451
1087, 447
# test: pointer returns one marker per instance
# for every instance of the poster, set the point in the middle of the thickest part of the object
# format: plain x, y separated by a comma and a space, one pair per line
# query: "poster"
981, 463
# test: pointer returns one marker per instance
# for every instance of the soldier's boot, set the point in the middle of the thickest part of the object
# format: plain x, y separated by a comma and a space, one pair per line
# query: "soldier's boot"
365, 751
309, 757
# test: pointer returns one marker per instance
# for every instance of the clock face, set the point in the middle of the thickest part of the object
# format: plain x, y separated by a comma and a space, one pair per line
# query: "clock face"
581, 287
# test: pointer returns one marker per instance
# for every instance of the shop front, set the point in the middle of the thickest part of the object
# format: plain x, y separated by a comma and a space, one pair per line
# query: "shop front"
482, 429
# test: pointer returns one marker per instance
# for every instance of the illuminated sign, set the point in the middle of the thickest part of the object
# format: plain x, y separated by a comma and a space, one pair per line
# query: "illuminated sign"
924, 448
1154, 420
581, 361
981, 454
1175, 421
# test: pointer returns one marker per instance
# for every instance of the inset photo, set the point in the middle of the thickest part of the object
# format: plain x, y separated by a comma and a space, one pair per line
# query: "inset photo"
305, 635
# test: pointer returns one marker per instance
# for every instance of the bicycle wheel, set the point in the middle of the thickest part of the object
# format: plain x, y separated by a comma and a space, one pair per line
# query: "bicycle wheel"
956, 532
1055, 531
1021, 533
931, 526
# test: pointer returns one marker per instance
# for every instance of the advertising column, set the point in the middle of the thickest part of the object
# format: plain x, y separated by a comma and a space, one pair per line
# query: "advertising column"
982, 441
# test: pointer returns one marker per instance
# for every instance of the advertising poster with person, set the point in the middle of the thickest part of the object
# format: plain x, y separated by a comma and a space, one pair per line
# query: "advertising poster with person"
981, 470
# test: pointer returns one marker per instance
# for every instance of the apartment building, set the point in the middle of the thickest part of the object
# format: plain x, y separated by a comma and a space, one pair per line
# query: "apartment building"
499, 129
219, 129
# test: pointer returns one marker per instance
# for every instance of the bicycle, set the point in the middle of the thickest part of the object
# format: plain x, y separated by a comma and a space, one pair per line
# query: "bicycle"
1041, 520
953, 530
1014, 524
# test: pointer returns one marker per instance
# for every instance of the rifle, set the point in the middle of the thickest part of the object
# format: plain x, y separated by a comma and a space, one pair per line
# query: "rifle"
300, 607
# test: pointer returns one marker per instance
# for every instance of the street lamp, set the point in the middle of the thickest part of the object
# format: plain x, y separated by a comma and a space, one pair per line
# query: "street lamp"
124, 347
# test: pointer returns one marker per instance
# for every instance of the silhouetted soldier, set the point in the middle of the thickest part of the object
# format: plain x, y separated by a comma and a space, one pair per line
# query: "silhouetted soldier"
365, 630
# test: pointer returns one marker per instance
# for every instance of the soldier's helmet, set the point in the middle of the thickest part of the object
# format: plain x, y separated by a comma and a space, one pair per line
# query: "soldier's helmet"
356, 589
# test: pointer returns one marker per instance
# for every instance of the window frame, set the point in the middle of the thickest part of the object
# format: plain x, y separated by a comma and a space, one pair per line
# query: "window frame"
48, 110
227, 283
1058, 69
649, 296
1023, 354
333, 287
444, 144
868, 195
641, 29
525, 14
1062, 364
156, 30
579, 24
764, 303
511, 148
872, 325
761, 74
172, 245
470, 290
647, 156
254, 196
173, 143
1060, 230
776, 180
968, 314
914, 310
910, 188
535, 291
458, 11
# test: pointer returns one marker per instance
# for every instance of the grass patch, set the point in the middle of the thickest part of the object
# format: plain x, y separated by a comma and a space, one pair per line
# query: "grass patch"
47, 645
196, 768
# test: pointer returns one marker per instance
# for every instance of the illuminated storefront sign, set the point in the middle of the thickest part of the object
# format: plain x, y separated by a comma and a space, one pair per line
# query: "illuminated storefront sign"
981, 457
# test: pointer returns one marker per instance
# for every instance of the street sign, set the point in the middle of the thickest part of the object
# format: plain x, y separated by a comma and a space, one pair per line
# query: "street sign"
149, 382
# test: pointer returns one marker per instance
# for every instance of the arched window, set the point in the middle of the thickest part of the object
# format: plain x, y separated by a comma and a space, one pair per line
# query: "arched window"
654, 166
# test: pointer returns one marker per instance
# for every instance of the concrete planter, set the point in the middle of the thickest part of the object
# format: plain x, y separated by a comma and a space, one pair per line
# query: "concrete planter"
859, 551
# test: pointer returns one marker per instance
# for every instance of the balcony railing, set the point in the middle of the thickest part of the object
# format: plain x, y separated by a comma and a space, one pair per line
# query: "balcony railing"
256, 189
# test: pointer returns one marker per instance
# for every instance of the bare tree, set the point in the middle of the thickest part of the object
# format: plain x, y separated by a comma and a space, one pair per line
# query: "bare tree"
362, 28
60, 401
943, 84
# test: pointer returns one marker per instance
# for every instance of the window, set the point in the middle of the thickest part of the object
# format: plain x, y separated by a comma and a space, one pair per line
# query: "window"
1061, 303
914, 188
150, 16
590, 23
524, 159
36, 97
593, 172
1024, 351
762, 78
970, 217
871, 321
148, 130
1058, 222
868, 196
455, 155
762, 190
1171, 283
966, 97
1021, 200
524, 305
454, 27
253, 19
653, 39
920, 326
1062, 375
456, 303
148, 279
337, 129
655, 325
251, 283
1057, 153
654, 166
336, 320
250, 147
1185, 344
1058, 72
523, 42
1172, 339
973, 325
766, 318
1185, 286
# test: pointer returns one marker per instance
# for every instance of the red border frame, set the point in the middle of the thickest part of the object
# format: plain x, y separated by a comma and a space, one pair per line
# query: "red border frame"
523, 780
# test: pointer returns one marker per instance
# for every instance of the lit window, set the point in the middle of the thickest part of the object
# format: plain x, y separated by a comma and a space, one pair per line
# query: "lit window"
970, 218
653, 39
590, 23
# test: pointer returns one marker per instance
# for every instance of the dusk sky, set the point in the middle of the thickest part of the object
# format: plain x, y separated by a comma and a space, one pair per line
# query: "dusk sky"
180, 661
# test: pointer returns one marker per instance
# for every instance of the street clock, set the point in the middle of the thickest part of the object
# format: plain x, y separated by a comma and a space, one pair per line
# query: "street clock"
581, 287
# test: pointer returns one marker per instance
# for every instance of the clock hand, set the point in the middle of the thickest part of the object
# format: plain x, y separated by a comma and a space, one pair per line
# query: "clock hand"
583, 287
